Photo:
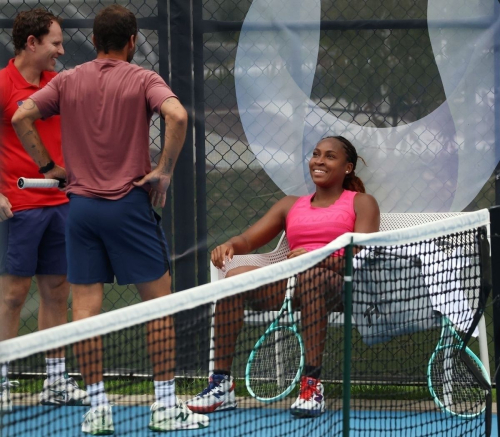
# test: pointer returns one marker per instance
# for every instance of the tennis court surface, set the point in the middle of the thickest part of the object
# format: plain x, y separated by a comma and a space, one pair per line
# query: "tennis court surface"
65, 422
402, 338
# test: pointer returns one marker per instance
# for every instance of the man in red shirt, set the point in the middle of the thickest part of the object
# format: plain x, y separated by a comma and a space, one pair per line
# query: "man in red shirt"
32, 222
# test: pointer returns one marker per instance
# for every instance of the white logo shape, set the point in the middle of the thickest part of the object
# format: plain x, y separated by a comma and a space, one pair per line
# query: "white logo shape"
437, 163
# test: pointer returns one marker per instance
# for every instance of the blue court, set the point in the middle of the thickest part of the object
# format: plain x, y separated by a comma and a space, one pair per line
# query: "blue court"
132, 421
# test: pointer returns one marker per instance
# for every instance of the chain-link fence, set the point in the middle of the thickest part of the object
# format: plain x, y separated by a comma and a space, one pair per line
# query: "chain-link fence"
373, 77
375, 68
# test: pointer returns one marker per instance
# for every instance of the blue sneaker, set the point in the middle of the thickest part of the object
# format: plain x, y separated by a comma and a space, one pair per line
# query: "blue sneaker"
218, 396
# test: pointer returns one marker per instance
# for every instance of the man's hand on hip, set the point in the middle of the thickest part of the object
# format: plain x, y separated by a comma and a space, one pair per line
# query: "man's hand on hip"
159, 182
5, 208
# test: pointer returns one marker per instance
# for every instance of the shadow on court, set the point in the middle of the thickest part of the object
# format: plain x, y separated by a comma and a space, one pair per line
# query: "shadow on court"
132, 421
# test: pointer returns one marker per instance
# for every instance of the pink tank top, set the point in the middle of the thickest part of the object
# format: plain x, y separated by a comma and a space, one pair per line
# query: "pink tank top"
310, 227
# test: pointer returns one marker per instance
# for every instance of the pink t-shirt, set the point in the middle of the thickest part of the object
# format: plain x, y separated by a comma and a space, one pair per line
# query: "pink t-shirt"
106, 107
311, 227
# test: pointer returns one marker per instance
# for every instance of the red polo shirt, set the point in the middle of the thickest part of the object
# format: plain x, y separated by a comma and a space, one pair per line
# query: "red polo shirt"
14, 161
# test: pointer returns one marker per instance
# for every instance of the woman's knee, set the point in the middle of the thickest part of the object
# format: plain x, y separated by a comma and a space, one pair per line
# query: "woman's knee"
239, 270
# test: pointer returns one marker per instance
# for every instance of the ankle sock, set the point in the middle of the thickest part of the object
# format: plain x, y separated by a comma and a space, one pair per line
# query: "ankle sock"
56, 367
4, 371
312, 371
165, 393
97, 395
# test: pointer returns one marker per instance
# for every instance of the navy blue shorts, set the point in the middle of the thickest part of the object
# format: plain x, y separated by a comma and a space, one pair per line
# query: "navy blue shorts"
32, 242
108, 238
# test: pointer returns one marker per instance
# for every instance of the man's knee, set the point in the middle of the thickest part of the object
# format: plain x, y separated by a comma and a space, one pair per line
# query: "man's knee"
87, 300
53, 288
52, 282
14, 291
154, 289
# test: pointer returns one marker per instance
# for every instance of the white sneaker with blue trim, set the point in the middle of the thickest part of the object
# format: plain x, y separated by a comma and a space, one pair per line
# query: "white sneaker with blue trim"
219, 395
176, 418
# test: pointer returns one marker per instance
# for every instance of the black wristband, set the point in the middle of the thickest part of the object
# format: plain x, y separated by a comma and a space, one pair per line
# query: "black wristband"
47, 167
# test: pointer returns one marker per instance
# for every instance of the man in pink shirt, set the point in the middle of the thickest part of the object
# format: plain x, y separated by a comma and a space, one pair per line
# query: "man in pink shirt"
106, 107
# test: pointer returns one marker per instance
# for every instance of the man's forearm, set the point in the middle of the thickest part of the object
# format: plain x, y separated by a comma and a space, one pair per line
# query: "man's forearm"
175, 135
30, 139
23, 123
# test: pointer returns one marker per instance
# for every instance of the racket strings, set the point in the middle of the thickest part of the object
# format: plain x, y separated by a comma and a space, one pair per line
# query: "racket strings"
455, 385
275, 363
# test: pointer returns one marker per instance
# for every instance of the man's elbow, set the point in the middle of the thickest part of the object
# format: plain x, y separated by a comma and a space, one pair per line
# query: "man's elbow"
180, 118
177, 118
17, 119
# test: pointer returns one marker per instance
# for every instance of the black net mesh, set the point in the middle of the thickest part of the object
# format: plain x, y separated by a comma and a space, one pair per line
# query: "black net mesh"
281, 350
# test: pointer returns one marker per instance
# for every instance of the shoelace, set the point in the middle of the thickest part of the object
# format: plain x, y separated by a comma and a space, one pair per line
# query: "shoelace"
307, 391
212, 385
72, 382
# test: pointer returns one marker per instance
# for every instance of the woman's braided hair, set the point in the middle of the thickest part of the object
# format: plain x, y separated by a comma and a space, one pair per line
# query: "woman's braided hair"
351, 181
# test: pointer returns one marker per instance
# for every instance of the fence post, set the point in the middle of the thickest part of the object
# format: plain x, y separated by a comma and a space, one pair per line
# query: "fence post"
346, 375
495, 279
496, 71
189, 223
199, 143
184, 234
164, 72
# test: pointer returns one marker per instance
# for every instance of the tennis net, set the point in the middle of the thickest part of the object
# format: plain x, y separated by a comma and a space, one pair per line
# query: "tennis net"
384, 343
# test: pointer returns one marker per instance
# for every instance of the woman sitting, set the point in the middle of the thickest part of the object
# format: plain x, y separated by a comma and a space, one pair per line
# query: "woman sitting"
339, 205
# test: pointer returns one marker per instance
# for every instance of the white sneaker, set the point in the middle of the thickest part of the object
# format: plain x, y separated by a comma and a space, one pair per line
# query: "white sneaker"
219, 395
5, 399
178, 417
311, 401
64, 391
98, 421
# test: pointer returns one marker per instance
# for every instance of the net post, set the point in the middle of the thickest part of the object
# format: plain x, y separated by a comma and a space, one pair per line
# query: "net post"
346, 385
495, 279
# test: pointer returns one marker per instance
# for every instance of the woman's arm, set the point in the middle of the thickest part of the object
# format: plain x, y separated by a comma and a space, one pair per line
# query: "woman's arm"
367, 213
257, 235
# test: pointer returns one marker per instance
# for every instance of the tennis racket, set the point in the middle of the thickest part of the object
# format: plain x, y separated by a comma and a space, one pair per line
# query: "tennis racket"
457, 379
23, 183
277, 360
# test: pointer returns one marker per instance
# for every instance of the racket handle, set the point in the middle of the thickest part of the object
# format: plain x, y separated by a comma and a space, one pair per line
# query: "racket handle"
23, 183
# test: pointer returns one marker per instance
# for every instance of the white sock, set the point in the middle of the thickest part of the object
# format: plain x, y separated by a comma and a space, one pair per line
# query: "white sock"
165, 393
56, 367
97, 395
4, 370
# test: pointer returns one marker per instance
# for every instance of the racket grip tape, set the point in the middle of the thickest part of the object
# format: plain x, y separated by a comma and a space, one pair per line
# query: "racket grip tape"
23, 183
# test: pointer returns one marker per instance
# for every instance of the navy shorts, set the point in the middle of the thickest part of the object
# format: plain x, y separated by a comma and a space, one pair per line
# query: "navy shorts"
108, 238
32, 242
